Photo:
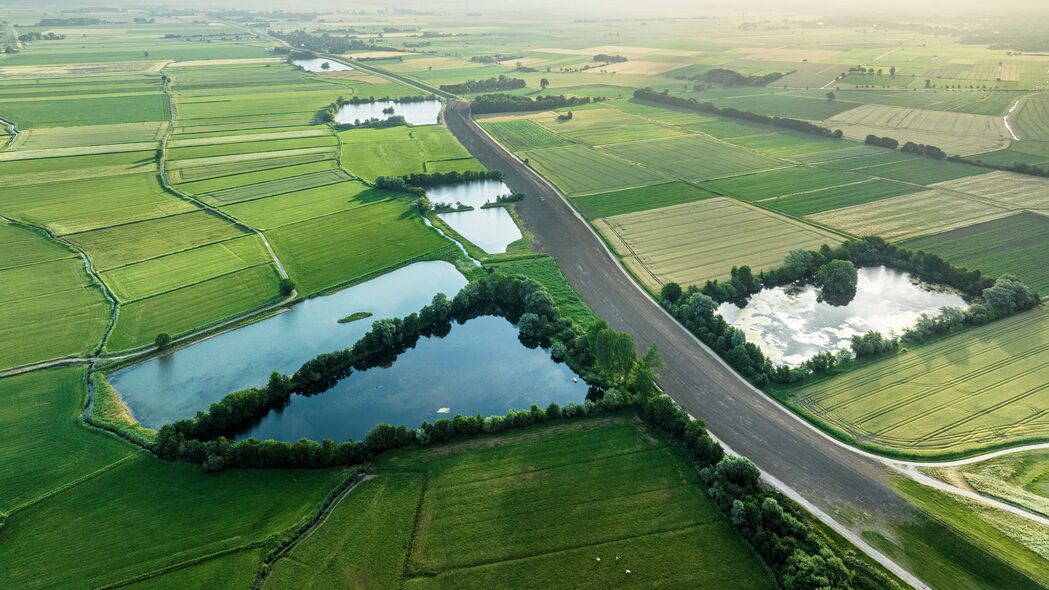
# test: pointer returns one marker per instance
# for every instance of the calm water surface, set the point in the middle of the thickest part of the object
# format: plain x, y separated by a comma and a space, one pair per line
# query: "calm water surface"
176, 385
415, 113
790, 325
480, 367
317, 65
492, 230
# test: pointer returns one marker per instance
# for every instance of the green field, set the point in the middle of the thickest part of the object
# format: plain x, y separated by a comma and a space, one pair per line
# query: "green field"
522, 134
923, 170
493, 514
395, 151
817, 201
694, 158
782, 182
1017, 245
275, 187
638, 199
334, 249
980, 389
1021, 479
577, 169
1032, 118
662, 245
544, 269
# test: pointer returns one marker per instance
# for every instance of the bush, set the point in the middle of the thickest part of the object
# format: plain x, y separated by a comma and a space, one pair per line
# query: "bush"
162, 340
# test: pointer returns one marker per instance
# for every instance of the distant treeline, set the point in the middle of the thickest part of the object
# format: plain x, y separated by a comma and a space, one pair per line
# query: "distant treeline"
504, 103
611, 59
492, 84
696, 308
726, 77
707, 107
418, 183
325, 42
69, 22
37, 36
496, 58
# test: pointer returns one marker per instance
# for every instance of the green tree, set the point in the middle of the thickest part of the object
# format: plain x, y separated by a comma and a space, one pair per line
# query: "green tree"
543, 83
287, 287
831, 96
837, 282
162, 340
671, 292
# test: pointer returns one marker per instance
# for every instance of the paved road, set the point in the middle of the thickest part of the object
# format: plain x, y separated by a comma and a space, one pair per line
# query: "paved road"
749, 422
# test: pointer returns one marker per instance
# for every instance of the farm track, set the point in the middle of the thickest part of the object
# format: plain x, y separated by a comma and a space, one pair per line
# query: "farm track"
823, 474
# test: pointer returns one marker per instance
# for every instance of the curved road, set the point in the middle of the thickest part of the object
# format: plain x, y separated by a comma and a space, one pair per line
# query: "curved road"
825, 474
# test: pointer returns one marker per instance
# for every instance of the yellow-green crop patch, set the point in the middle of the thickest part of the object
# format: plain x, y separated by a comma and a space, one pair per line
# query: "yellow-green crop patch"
238, 179
120, 245
24, 247
209, 171
522, 134
638, 199
1032, 117
272, 212
1018, 478
183, 310
695, 242
577, 169
694, 157
250, 147
781, 182
956, 133
395, 151
910, 215
90, 135
922, 170
275, 187
1008, 189
985, 387
836, 197
167, 273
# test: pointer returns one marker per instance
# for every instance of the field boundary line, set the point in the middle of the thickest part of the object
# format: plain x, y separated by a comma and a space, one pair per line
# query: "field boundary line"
71, 484
180, 565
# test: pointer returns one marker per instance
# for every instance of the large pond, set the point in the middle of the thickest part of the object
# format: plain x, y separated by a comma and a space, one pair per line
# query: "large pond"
175, 385
790, 325
492, 229
317, 65
479, 367
415, 113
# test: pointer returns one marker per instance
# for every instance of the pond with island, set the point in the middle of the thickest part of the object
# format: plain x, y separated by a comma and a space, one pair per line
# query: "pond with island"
490, 229
423, 112
791, 325
480, 366
317, 65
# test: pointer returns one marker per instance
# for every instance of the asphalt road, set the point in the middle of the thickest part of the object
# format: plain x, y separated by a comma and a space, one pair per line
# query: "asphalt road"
831, 477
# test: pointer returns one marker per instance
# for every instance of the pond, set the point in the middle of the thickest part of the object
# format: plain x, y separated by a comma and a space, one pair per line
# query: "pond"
479, 367
790, 325
175, 385
493, 229
317, 65
415, 113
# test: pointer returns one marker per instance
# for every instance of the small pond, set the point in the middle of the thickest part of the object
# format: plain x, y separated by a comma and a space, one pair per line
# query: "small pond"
317, 65
175, 385
479, 367
415, 113
493, 229
790, 325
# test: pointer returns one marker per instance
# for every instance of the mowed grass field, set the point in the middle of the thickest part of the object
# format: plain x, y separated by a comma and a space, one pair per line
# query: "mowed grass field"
396, 151
532, 508
638, 199
694, 157
52, 307
695, 242
983, 388
1017, 245
1020, 478
577, 169
111, 512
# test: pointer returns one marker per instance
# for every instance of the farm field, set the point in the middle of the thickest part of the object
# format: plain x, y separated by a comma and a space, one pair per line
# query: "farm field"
694, 158
1016, 245
1021, 479
522, 134
781, 182
396, 151
1032, 117
955, 133
638, 199
626, 465
663, 245
817, 201
984, 388
577, 170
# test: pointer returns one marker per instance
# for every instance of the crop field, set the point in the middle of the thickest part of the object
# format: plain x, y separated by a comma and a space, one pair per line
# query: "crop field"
604, 126
179, 311
396, 151
34, 112
694, 158
1021, 479
577, 170
923, 170
955, 133
1017, 245
522, 134
1031, 118
331, 250
240, 179
781, 182
638, 199
288, 208
695, 242
89, 135
809, 203
910, 215
1006, 188
275, 187
634, 496
976, 102
986, 387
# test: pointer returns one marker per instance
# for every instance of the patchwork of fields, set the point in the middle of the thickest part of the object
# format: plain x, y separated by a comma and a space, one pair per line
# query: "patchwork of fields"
492, 513
982, 388
956, 133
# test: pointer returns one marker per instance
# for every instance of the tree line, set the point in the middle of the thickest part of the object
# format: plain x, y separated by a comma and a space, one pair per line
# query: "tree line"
417, 183
726, 77
696, 308
610, 59
327, 43
495, 83
692, 104
504, 103
936, 153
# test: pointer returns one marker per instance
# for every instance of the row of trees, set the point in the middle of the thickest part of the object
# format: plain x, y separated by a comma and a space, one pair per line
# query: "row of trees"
696, 308
692, 104
504, 103
328, 43
934, 152
726, 77
610, 59
493, 84
417, 183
